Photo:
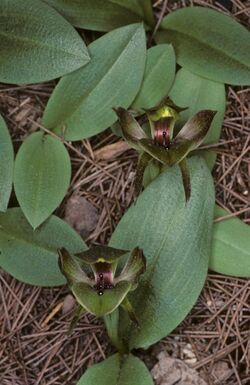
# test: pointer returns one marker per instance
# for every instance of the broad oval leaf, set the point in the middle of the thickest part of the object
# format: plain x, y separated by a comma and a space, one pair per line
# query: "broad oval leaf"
41, 176
158, 77
175, 237
37, 44
91, 14
197, 93
31, 256
117, 370
81, 104
209, 43
231, 246
7, 165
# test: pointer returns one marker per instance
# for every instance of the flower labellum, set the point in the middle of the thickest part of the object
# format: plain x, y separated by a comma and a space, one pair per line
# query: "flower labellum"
163, 146
101, 277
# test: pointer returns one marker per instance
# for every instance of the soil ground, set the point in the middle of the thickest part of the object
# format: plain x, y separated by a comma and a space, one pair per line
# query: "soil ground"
35, 349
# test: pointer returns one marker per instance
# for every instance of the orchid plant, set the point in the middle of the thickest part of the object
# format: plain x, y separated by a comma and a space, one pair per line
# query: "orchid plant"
173, 227
163, 146
101, 277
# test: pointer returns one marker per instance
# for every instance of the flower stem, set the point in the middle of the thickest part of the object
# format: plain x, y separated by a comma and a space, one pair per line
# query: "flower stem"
112, 324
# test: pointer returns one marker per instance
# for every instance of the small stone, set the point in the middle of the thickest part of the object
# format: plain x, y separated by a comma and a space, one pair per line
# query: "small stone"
81, 215
68, 303
189, 355
220, 370
171, 371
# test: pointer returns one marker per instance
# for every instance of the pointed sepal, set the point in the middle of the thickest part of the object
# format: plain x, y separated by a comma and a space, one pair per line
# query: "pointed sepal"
185, 178
78, 313
71, 269
131, 130
128, 308
143, 161
194, 131
135, 266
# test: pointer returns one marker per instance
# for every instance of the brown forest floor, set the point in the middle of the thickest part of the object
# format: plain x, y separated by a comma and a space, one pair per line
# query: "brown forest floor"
37, 351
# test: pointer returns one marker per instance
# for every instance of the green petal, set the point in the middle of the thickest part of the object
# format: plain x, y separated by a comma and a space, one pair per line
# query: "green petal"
131, 130
100, 305
135, 266
185, 178
71, 268
143, 161
101, 254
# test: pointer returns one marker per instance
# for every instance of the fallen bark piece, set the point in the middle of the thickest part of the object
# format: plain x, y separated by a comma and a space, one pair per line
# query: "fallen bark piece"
171, 371
111, 150
81, 215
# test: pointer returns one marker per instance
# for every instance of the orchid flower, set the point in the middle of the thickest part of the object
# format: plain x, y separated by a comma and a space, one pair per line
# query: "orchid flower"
98, 281
163, 146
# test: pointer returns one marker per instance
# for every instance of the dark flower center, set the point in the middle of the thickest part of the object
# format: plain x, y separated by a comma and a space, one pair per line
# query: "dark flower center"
103, 278
162, 132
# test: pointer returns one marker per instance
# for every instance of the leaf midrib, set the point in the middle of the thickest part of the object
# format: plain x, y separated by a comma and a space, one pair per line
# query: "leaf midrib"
26, 241
232, 245
150, 270
97, 83
37, 43
206, 44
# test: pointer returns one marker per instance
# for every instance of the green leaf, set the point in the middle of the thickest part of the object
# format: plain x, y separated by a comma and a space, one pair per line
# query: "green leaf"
209, 44
117, 370
31, 256
81, 104
36, 43
198, 94
231, 246
158, 77
41, 176
93, 15
175, 237
7, 165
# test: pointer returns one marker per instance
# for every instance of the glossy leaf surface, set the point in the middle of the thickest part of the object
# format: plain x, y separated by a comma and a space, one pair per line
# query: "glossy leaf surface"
158, 77
209, 44
41, 176
81, 104
175, 237
116, 370
231, 246
36, 43
31, 256
91, 14
7, 165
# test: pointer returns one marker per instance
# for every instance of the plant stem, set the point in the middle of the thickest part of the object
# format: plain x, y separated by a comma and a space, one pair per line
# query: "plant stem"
112, 325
